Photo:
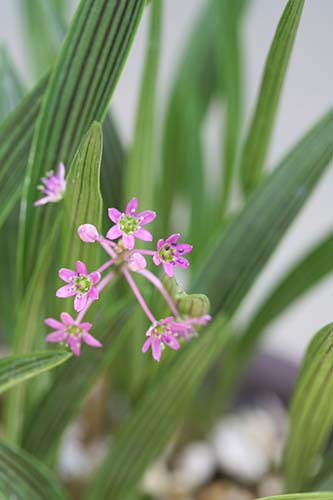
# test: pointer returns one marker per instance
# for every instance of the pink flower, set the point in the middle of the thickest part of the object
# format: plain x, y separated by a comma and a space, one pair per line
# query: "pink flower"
137, 262
54, 186
129, 224
167, 331
79, 283
88, 233
170, 254
70, 332
159, 335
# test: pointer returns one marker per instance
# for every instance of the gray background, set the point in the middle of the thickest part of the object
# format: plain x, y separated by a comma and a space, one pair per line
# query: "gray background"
307, 94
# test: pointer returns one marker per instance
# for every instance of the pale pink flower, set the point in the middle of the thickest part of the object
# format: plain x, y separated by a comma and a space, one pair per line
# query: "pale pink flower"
129, 224
79, 283
167, 331
88, 233
137, 262
71, 332
54, 186
170, 254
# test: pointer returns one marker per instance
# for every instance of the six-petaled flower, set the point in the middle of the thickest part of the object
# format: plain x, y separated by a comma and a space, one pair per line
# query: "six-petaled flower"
169, 253
79, 283
70, 332
129, 224
54, 186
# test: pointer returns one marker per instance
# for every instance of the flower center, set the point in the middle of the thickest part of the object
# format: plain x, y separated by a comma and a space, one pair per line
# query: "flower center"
167, 253
82, 283
128, 224
75, 331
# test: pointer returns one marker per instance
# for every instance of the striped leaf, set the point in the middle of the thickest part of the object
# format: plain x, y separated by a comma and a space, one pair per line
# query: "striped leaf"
311, 412
17, 369
78, 92
302, 496
237, 258
11, 88
157, 417
22, 477
260, 130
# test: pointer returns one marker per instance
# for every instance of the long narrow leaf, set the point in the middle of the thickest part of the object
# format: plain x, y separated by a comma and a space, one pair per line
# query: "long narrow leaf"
157, 417
302, 496
79, 91
17, 369
23, 477
311, 411
246, 245
258, 137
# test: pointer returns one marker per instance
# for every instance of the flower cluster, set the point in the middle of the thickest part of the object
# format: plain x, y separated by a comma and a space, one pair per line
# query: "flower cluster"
119, 245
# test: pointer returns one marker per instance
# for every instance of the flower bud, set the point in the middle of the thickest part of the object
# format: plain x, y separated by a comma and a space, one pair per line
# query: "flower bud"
137, 262
88, 233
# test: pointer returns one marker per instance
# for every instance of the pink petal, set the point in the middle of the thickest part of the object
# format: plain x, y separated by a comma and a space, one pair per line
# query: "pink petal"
114, 214
173, 238
93, 293
156, 348
128, 241
59, 336
88, 233
160, 243
132, 206
75, 345
171, 341
66, 274
143, 234
168, 268
80, 302
146, 345
156, 259
137, 262
53, 323
184, 248
113, 233
85, 326
43, 201
67, 319
61, 172
81, 268
95, 276
147, 216
65, 291
182, 262
90, 340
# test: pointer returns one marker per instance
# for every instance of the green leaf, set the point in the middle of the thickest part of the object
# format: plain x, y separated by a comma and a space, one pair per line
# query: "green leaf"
11, 88
78, 92
17, 369
83, 202
141, 166
44, 28
260, 130
301, 496
311, 412
235, 262
48, 420
23, 477
157, 416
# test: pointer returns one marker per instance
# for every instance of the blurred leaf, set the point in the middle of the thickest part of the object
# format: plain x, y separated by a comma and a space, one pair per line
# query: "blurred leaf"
141, 166
301, 496
78, 92
260, 130
15, 140
83, 202
16, 369
247, 243
48, 420
22, 477
11, 88
43, 23
311, 412
157, 416
228, 42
